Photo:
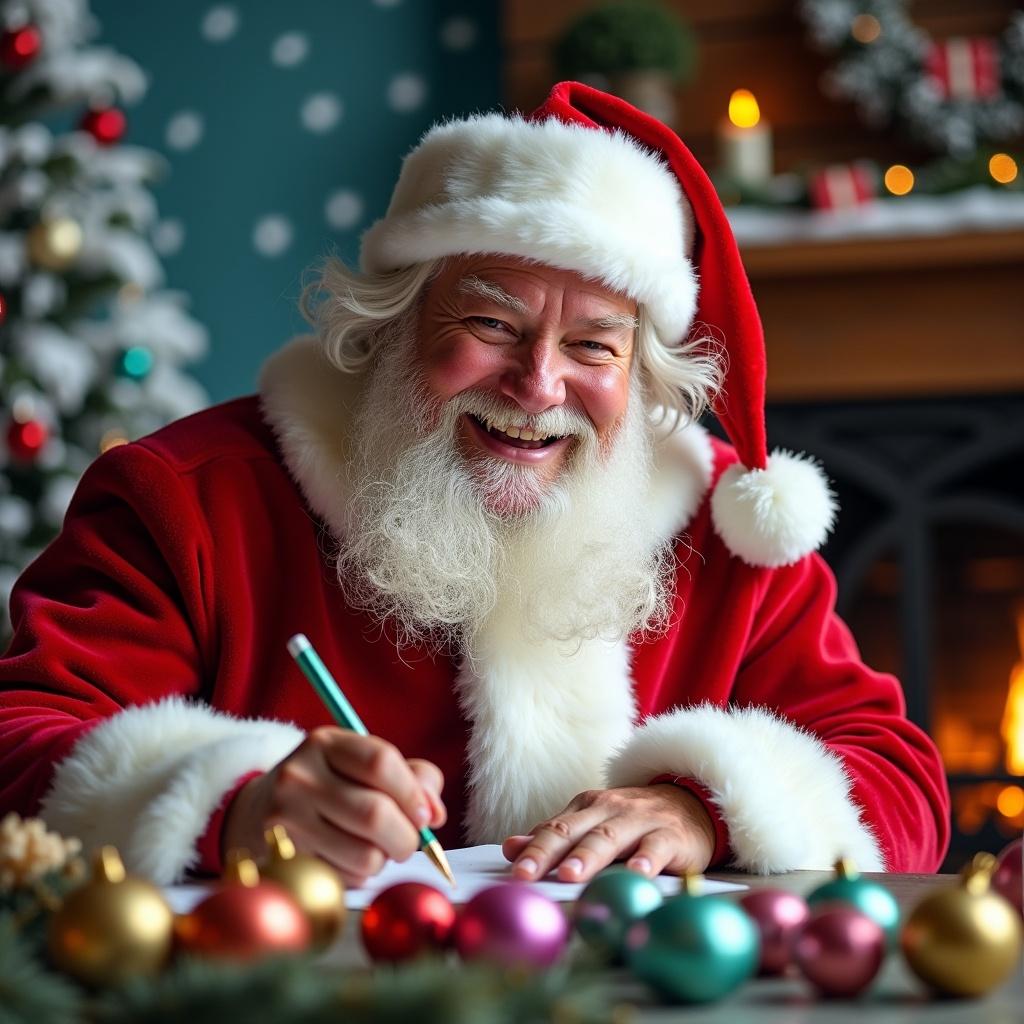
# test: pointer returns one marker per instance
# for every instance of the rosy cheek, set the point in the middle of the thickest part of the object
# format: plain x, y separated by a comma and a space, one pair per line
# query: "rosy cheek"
459, 364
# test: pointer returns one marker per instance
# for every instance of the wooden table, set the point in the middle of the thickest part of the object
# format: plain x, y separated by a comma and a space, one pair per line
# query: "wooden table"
895, 998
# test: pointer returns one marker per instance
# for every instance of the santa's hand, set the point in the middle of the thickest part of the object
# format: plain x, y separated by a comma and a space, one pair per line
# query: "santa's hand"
352, 800
654, 828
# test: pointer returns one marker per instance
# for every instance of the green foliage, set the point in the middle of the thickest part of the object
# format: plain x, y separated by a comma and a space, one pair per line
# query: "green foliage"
30, 994
616, 38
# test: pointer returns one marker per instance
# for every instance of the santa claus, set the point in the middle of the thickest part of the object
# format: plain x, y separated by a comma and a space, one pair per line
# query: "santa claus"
572, 621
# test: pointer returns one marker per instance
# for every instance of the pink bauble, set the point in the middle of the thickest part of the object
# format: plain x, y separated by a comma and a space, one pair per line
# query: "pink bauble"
778, 915
511, 925
1008, 880
839, 950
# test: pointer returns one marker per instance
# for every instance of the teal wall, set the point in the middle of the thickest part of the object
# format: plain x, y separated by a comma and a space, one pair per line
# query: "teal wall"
375, 74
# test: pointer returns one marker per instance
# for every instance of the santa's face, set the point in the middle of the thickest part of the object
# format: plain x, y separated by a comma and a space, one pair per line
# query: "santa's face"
534, 342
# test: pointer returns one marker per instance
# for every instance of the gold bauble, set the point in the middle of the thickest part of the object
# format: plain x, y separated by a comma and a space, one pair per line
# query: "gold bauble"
112, 928
313, 883
964, 940
55, 243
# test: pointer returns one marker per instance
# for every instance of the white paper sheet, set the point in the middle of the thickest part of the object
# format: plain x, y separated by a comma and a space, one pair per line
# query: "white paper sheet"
475, 868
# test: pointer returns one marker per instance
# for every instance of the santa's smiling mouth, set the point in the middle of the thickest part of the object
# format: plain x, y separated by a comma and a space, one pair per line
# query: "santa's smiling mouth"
517, 437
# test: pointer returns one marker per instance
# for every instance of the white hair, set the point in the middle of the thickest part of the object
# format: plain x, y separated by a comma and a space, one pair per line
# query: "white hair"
351, 311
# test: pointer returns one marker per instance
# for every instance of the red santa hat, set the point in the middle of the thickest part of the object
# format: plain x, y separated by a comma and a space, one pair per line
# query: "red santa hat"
589, 183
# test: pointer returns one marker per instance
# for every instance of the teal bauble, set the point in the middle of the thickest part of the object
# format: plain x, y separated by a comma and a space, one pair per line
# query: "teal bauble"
135, 363
613, 901
870, 898
693, 948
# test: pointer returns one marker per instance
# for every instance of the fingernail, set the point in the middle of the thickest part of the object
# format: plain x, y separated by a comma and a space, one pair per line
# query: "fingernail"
527, 865
422, 815
573, 865
641, 864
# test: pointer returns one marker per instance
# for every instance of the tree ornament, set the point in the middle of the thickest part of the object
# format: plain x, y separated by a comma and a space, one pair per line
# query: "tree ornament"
245, 918
694, 949
26, 439
111, 928
20, 46
610, 904
839, 949
511, 925
3, 307
312, 882
964, 69
134, 363
963, 940
778, 915
866, 896
407, 920
54, 243
105, 124
1007, 879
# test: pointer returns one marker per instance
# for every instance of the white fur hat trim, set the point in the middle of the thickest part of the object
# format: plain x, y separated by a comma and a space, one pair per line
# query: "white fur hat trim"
578, 198
773, 516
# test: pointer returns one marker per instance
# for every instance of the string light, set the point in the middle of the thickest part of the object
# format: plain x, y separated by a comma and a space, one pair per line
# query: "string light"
899, 179
1003, 168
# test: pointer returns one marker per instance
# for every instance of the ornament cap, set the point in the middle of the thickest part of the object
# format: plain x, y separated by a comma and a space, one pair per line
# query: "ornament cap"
977, 875
241, 869
846, 868
108, 866
280, 843
691, 883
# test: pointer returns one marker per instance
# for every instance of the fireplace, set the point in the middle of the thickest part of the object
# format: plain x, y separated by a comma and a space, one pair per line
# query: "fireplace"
929, 555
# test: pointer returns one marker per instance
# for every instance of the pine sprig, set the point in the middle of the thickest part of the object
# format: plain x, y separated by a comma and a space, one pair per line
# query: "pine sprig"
30, 994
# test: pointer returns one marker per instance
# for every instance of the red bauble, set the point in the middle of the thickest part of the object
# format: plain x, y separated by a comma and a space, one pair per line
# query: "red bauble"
779, 915
839, 950
20, 46
406, 921
106, 126
1008, 879
243, 922
3, 307
25, 440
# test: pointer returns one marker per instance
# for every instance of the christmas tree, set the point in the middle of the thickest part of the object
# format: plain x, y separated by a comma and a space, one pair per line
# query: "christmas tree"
92, 347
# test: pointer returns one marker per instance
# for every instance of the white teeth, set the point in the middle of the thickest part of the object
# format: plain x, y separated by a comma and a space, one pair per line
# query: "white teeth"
521, 433
514, 432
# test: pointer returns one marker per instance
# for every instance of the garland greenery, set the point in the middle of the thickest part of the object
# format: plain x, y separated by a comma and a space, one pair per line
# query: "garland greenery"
883, 71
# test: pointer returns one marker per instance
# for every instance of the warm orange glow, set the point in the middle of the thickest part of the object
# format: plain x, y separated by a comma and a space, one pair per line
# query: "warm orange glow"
865, 28
1010, 801
899, 180
1003, 168
743, 109
112, 439
1013, 715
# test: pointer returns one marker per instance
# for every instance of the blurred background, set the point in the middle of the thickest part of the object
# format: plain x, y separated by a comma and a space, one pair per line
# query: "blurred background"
168, 172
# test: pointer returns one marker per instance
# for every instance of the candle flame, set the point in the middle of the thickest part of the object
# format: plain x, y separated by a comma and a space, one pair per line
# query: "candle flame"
1013, 715
743, 109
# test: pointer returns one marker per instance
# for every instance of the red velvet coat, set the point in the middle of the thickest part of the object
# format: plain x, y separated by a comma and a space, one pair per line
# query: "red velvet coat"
149, 663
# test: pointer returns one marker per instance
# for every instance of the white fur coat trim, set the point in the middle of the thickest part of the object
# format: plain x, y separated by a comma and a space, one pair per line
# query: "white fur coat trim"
783, 794
588, 200
148, 778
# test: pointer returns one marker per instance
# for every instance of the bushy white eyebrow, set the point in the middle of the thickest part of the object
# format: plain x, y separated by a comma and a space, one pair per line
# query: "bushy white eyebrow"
614, 321
473, 285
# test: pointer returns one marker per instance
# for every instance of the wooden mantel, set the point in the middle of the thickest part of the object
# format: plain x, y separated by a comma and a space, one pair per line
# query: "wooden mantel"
893, 317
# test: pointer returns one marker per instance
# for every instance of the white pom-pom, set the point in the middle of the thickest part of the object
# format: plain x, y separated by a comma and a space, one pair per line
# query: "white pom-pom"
774, 516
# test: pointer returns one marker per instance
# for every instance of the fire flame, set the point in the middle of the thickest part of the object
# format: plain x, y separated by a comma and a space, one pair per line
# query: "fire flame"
1012, 726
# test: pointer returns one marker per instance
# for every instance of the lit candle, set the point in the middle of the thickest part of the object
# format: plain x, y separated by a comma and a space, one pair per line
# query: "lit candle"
745, 141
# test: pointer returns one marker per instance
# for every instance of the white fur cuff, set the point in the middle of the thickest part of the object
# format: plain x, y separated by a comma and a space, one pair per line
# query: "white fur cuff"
148, 778
783, 795
773, 516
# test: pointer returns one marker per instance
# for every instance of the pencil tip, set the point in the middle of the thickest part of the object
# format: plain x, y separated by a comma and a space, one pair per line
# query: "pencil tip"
436, 854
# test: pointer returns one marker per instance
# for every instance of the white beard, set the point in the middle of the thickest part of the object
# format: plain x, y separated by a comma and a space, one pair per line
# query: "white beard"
426, 550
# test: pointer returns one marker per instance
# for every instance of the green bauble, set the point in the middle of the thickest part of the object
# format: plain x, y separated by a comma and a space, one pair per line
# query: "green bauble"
614, 900
694, 949
870, 898
135, 363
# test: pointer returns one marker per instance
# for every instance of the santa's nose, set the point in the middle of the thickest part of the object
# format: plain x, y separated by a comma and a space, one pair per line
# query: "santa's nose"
535, 377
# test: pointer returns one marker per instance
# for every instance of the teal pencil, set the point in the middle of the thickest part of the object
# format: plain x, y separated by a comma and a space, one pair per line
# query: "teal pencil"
345, 715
